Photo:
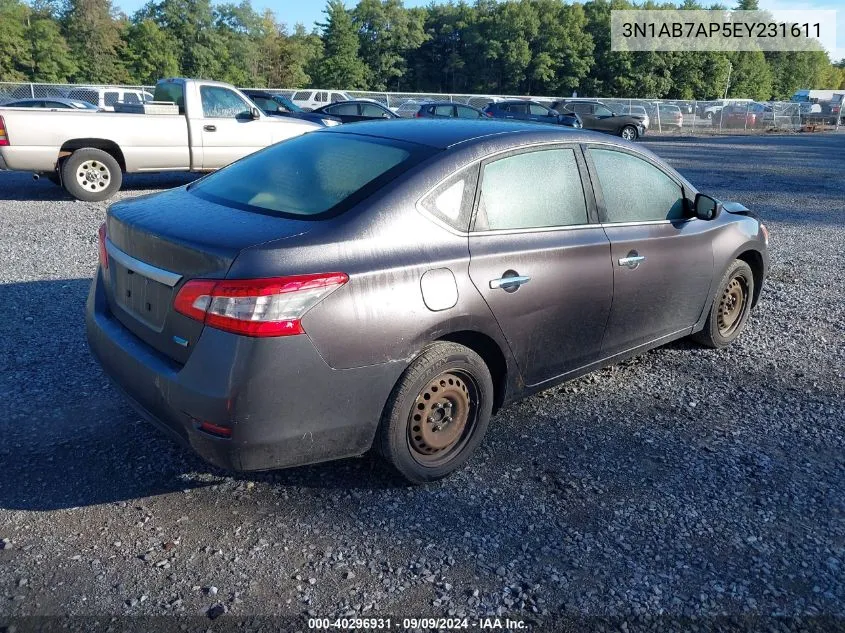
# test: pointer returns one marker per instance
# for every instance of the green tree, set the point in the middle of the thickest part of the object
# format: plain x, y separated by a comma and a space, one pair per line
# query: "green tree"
341, 67
95, 40
49, 54
387, 32
151, 52
241, 31
14, 49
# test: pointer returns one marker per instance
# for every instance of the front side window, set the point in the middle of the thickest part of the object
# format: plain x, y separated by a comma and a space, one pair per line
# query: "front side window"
222, 103
603, 111
57, 104
268, 105
517, 108
336, 97
309, 174
110, 98
468, 113
443, 110
130, 97
532, 190
302, 95
634, 190
371, 110
538, 110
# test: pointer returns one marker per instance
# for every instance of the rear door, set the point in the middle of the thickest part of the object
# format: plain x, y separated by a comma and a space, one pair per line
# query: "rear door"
465, 112
540, 260
662, 259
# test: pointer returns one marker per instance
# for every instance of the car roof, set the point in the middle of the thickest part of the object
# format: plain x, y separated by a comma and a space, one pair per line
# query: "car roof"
446, 133
510, 101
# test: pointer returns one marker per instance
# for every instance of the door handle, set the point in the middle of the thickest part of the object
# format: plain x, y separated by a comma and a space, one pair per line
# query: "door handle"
508, 283
209, 128
632, 260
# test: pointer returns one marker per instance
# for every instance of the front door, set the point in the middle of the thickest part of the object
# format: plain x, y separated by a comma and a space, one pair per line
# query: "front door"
662, 258
541, 261
228, 129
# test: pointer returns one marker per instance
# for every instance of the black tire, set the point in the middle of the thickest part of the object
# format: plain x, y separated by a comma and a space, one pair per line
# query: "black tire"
91, 175
630, 131
709, 116
444, 375
727, 319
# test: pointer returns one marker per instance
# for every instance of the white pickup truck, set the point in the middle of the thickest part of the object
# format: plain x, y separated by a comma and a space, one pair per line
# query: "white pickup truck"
88, 152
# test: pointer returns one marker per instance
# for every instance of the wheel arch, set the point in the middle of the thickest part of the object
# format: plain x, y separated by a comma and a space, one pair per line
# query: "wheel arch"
105, 145
492, 355
755, 261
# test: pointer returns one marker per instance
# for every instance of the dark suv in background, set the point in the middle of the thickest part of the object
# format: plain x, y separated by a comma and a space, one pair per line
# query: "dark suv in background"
524, 110
440, 110
597, 116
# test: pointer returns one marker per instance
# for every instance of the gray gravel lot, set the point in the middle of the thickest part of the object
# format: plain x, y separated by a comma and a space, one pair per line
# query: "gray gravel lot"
686, 482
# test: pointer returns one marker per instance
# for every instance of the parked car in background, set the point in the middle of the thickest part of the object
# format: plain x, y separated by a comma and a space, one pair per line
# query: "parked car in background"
312, 99
105, 98
348, 289
447, 110
524, 110
215, 125
669, 116
273, 104
638, 112
408, 109
739, 115
357, 110
596, 116
52, 103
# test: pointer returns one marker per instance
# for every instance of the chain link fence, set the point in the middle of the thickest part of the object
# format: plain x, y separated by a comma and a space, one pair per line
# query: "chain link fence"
664, 117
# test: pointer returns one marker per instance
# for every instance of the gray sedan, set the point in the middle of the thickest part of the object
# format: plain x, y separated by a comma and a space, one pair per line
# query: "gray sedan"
52, 103
391, 285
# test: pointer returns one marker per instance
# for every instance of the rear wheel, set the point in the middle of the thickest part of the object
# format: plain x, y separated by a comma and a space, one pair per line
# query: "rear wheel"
629, 133
731, 307
91, 175
437, 413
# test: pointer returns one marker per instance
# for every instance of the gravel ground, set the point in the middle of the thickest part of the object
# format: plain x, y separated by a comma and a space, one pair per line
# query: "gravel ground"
687, 483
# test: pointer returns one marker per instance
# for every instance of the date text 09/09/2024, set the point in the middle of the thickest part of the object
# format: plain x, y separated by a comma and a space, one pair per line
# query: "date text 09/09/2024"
401, 624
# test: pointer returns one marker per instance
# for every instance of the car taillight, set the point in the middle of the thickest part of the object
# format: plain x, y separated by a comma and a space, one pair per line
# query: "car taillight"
101, 243
256, 307
4, 137
418, 115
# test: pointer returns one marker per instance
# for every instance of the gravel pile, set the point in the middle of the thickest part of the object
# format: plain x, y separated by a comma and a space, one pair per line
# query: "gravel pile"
687, 483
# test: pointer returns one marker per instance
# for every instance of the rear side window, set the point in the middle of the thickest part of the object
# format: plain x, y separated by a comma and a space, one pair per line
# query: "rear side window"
370, 109
532, 190
347, 109
336, 97
443, 110
634, 190
91, 96
130, 97
110, 98
451, 201
302, 95
309, 175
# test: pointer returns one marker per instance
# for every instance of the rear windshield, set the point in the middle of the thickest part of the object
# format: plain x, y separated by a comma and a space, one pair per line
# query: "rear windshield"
171, 92
313, 175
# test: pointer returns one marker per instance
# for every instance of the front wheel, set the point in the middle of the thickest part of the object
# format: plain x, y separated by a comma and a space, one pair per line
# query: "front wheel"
437, 414
91, 175
731, 307
629, 133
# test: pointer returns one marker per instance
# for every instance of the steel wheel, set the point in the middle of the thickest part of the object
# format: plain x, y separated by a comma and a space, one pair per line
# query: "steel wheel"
92, 175
442, 418
732, 305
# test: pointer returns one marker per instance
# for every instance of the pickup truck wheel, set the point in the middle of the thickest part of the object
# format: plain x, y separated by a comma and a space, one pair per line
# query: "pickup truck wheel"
437, 414
91, 175
629, 133
731, 307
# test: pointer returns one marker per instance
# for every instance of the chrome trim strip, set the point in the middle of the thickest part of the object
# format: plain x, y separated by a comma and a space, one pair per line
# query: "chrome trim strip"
156, 274
540, 229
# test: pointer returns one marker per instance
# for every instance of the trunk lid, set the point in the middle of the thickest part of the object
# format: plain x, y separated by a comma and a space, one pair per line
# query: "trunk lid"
156, 243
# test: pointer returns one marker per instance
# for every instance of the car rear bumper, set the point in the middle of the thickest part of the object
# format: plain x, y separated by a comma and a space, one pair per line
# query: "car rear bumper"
284, 404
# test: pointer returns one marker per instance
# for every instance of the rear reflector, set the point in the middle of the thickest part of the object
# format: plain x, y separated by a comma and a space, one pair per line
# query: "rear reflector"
256, 307
101, 243
4, 137
213, 429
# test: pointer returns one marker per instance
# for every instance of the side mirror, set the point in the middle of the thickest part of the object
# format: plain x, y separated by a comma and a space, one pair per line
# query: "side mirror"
255, 113
553, 112
706, 208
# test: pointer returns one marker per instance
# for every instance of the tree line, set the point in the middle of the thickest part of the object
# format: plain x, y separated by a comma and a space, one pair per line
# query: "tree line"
542, 47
